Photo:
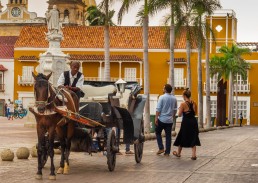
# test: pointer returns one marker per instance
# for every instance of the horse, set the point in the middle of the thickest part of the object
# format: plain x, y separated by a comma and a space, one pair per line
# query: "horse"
48, 120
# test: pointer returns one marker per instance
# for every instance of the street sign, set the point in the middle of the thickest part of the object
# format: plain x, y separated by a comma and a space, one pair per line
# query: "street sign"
18, 101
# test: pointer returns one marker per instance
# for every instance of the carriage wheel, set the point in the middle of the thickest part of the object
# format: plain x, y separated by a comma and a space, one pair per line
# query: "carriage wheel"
138, 147
112, 149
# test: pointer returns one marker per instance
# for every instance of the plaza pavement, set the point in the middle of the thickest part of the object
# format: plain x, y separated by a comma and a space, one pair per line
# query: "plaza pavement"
229, 155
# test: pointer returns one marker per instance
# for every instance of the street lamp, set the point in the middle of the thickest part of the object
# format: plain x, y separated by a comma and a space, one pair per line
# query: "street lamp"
120, 86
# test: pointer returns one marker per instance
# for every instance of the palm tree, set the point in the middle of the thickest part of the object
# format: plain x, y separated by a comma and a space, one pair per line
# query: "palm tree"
144, 13
155, 6
201, 8
228, 66
233, 55
104, 7
96, 17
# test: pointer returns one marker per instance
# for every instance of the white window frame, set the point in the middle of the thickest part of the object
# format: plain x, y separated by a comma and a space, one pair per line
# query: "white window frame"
130, 74
179, 77
26, 73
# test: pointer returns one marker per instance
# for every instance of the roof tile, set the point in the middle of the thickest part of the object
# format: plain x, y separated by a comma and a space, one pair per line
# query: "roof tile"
93, 37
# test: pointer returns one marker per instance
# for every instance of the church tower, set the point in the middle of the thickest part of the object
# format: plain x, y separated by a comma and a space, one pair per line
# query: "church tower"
72, 11
15, 16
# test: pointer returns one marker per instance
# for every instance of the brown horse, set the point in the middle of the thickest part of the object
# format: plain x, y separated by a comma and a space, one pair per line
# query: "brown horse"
49, 121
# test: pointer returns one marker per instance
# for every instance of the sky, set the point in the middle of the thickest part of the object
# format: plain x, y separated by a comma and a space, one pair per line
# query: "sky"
246, 13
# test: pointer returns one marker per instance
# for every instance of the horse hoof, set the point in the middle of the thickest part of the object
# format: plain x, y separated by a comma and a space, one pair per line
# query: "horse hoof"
38, 177
66, 169
60, 170
52, 177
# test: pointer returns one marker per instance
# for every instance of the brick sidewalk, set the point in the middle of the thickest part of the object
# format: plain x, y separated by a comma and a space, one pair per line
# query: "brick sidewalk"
229, 155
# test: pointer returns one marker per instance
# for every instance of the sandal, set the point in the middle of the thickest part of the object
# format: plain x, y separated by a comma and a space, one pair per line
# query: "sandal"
175, 154
193, 158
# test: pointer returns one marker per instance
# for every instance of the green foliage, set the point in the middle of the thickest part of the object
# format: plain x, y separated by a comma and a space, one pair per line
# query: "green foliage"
96, 17
231, 62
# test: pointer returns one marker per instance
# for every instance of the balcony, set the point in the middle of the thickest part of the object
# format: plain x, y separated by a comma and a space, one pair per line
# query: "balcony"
25, 80
2, 88
138, 80
213, 87
179, 83
243, 87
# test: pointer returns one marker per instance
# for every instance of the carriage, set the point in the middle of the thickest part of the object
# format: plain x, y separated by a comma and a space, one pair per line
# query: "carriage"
107, 120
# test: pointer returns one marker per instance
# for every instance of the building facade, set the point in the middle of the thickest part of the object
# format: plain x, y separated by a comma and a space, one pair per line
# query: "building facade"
86, 44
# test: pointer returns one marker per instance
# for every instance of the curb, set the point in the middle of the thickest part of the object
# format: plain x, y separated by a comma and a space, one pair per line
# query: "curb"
152, 136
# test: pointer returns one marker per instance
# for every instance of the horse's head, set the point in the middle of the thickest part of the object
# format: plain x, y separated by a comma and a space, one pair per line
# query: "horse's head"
41, 91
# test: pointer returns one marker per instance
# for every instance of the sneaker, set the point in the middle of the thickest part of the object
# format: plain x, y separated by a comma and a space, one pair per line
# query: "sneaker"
129, 152
160, 151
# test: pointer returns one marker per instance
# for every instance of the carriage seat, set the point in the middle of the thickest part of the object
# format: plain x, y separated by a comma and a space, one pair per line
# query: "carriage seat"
94, 93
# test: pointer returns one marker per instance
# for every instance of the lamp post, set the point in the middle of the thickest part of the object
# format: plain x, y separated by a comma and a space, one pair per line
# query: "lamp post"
120, 86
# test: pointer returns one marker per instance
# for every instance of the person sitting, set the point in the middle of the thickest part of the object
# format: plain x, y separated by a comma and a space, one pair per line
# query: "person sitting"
73, 79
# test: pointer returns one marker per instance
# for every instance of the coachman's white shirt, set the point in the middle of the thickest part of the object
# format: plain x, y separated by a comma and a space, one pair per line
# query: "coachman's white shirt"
79, 83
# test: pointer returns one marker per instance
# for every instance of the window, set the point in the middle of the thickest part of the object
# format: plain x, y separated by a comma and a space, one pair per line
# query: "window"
179, 77
66, 13
27, 73
217, 49
213, 108
1, 81
130, 74
242, 108
214, 83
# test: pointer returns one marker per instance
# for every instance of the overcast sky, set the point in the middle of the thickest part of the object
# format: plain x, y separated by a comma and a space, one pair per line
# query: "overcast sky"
246, 12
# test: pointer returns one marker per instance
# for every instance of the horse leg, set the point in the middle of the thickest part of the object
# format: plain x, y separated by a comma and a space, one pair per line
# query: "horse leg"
41, 142
61, 136
70, 132
51, 133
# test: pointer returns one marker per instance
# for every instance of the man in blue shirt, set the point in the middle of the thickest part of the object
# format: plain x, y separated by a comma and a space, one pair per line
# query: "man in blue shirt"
165, 112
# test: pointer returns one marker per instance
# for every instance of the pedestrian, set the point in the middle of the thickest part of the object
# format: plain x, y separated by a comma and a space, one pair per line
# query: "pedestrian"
127, 149
5, 110
11, 111
188, 135
241, 119
165, 113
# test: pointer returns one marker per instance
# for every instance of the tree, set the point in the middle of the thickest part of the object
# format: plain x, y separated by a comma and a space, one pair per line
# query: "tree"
237, 65
96, 17
175, 11
228, 66
201, 8
144, 13
104, 7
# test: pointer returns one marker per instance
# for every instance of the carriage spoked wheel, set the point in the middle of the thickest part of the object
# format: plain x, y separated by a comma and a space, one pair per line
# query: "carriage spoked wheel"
112, 149
138, 146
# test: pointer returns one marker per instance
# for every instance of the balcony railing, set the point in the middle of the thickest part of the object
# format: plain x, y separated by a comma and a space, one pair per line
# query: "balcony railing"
25, 80
139, 80
243, 87
213, 87
1, 87
179, 83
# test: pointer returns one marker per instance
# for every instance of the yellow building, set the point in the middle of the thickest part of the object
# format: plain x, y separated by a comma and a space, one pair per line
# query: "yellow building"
86, 44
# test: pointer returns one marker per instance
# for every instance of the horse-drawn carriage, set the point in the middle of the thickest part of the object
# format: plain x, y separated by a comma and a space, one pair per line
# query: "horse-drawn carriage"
101, 124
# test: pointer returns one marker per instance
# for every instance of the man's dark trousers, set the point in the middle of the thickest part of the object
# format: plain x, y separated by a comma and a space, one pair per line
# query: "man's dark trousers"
158, 129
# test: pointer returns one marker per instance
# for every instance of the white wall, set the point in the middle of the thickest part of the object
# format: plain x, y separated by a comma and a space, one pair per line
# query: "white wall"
8, 79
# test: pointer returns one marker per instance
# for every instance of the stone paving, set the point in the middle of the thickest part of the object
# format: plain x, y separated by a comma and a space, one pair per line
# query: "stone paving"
228, 155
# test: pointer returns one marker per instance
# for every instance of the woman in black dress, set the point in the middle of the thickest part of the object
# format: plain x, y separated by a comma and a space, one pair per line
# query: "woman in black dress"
188, 135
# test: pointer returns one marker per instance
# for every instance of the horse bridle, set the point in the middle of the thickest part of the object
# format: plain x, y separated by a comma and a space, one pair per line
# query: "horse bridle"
40, 102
